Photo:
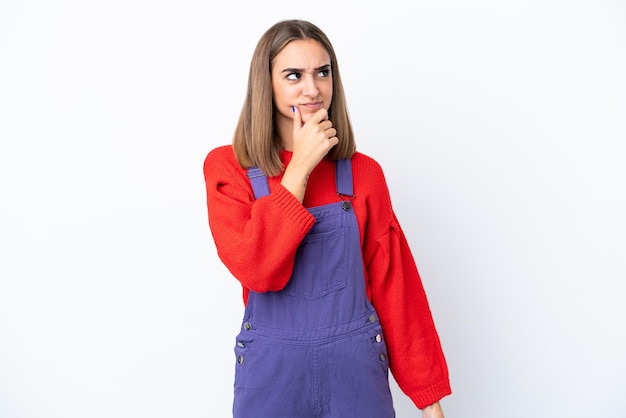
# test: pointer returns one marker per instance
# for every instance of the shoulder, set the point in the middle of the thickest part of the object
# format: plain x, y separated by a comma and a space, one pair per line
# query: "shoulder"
367, 168
372, 196
221, 162
221, 154
369, 181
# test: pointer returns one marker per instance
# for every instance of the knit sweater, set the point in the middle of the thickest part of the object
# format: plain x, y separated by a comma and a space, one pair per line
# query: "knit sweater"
257, 241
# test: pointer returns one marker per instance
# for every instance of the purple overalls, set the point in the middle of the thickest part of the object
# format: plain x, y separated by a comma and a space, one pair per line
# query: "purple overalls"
315, 349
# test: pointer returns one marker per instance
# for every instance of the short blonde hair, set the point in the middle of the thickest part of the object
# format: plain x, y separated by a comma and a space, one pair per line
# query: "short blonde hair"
255, 141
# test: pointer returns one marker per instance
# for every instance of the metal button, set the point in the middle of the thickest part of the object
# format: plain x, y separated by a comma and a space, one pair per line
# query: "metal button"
345, 205
382, 357
240, 359
247, 326
379, 338
372, 318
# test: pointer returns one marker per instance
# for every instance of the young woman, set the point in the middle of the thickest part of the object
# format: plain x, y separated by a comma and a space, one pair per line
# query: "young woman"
332, 295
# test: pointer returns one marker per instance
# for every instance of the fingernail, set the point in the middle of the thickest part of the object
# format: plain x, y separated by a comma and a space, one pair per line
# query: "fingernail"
293, 109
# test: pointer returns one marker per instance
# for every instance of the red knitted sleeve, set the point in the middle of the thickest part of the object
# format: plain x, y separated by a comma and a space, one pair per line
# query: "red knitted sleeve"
255, 239
416, 358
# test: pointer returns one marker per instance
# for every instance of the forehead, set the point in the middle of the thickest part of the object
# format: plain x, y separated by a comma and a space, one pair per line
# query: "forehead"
302, 54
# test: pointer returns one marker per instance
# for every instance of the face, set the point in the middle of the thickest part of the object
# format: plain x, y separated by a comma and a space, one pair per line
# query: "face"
301, 77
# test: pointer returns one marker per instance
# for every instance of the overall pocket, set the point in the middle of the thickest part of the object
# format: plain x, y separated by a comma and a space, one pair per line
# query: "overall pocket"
321, 264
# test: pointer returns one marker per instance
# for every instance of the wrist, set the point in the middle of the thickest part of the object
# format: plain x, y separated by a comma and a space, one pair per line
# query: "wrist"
295, 180
432, 411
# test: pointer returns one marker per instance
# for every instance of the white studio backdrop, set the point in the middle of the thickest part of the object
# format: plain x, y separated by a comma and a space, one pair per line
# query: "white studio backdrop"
501, 130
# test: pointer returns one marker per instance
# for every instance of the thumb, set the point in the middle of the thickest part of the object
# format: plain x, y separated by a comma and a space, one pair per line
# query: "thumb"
297, 119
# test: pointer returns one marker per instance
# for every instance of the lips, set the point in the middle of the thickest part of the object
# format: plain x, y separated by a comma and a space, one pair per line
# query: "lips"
311, 105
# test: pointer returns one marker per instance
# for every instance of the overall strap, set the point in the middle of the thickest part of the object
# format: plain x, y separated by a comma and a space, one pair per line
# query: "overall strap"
259, 183
344, 177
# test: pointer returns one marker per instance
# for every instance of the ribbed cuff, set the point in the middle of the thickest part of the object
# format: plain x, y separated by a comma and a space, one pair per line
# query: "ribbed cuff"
431, 395
292, 207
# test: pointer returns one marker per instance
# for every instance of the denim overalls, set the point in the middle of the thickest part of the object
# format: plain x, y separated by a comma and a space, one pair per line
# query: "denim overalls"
315, 349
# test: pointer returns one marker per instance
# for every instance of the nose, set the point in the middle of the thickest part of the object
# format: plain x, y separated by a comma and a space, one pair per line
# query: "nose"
309, 86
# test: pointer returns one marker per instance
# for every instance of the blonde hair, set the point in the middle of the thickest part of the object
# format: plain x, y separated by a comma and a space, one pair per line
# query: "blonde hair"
255, 141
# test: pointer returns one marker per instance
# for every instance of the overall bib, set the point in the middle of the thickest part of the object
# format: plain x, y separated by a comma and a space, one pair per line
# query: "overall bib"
315, 349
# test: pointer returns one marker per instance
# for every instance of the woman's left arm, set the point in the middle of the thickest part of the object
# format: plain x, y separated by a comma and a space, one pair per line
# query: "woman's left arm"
414, 351
415, 354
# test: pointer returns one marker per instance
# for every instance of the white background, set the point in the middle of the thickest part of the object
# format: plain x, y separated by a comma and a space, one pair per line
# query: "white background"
500, 126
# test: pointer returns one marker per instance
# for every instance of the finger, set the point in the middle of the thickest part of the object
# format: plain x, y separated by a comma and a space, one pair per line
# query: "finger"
325, 125
297, 118
319, 116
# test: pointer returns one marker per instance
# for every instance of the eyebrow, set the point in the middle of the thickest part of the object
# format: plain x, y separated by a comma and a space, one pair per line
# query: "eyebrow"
300, 70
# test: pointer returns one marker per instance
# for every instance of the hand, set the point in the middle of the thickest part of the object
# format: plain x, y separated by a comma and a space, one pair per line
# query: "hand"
311, 142
433, 411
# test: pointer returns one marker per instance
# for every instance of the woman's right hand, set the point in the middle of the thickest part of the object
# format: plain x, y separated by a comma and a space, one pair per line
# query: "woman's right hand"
311, 142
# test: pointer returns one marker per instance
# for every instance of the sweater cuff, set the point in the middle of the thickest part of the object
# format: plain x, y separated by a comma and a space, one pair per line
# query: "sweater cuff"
292, 207
431, 395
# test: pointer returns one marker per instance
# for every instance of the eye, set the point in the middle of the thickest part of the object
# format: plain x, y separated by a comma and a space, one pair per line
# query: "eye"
293, 76
324, 73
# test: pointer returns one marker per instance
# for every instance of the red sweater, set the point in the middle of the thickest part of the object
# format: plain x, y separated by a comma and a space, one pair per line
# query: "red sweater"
257, 241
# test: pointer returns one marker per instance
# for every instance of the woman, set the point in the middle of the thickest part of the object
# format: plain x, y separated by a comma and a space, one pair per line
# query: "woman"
331, 291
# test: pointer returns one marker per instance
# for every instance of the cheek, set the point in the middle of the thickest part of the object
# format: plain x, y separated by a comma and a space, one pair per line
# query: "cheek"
327, 93
328, 88
281, 113
282, 94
